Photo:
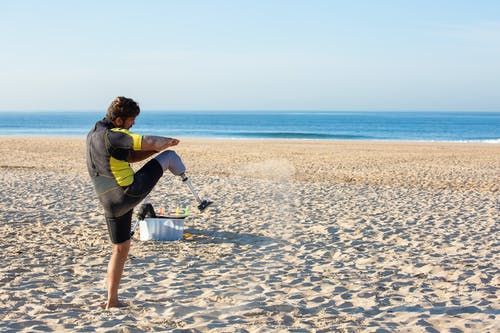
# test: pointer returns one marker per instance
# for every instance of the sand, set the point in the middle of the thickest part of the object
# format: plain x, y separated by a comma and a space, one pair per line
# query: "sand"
304, 236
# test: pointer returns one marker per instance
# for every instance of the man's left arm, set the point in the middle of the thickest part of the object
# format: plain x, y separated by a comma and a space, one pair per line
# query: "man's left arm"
151, 145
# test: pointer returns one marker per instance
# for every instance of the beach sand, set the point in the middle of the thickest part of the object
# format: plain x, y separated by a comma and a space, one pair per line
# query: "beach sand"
303, 236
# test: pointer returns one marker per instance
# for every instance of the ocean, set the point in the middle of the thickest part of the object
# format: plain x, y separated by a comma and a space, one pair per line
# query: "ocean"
388, 126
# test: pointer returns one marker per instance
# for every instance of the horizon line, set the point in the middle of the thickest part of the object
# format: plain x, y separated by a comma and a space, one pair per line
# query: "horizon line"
243, 110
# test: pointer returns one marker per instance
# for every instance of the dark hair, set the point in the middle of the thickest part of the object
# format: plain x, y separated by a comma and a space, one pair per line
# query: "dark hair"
122, 107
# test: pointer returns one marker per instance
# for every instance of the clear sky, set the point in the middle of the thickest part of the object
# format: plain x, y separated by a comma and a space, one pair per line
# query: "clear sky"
251, 55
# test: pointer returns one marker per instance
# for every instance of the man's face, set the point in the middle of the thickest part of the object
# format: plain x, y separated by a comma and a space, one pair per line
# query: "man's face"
125, 123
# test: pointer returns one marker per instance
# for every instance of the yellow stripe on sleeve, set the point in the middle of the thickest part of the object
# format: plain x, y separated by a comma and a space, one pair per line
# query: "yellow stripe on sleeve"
136, 138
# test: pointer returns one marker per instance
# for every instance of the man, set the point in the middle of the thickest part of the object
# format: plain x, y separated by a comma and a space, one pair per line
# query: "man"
110, 149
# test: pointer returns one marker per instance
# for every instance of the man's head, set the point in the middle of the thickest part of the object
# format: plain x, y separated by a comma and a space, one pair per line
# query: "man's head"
122, 112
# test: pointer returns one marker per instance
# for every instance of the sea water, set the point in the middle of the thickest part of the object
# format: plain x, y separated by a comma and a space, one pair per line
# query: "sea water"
393, 126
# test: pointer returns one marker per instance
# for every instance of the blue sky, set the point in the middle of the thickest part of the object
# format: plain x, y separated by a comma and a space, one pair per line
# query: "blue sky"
251, 55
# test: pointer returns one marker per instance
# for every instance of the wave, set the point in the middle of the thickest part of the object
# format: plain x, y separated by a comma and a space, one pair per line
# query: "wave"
296, 135
493, 141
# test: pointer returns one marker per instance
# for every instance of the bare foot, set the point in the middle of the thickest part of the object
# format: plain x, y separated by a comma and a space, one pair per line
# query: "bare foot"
107, 305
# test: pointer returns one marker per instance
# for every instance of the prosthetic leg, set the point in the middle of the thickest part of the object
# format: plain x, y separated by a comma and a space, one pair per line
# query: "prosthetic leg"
171, 161
202, 203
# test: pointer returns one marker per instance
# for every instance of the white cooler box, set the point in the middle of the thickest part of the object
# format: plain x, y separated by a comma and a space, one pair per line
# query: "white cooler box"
163, 229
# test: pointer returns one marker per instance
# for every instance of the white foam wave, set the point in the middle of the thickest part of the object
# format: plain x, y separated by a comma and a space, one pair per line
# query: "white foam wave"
493, 141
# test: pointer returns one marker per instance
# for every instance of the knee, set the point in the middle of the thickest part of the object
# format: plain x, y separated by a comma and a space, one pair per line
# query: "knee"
167, 157
169, 160
121, 249
169, 154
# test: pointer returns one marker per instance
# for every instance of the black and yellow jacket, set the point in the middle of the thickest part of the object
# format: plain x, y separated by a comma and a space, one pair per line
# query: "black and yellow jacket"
108, 152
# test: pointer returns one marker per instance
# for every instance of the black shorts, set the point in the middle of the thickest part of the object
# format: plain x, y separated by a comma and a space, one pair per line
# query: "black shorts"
119, 228
119, 204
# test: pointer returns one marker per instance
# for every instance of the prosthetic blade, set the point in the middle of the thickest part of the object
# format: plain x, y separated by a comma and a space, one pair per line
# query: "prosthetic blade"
202, 203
